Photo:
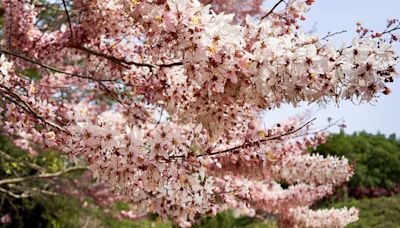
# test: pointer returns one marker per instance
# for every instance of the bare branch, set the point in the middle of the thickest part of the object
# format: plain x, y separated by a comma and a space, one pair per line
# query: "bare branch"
125, 62
42, 176
69, 20
53, 68
11, 24
333, 34
392, 30
272, 9
260, 141
31, 165
16, 196
11, 94
250, 144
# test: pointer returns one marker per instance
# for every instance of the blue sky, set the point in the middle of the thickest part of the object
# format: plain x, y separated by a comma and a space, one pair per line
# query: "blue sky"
337, 15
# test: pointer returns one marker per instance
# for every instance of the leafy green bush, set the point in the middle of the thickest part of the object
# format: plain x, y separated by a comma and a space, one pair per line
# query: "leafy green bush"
227, 219
221, 220
376, 159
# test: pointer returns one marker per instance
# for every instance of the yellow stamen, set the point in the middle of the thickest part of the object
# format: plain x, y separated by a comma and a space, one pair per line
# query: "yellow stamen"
159, 19
271, 158
195, 20
32, 89
182, 179
312, 76
136, 2
262, 134
212, 49
51, 135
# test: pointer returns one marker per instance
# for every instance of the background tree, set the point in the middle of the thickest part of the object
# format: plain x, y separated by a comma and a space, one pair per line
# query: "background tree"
376, 161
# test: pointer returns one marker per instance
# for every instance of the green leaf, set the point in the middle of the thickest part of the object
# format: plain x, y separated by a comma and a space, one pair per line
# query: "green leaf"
32, 73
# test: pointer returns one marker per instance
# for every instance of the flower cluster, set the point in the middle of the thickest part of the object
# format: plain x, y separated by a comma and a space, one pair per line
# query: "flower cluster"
257, 64
149, 168
24, 109
313, 169
325, 217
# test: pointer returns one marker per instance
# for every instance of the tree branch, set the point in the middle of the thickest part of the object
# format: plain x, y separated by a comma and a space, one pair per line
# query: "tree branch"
16, 196
69, 20
125, 62
249, 144
31, 165
272, 9
260, 141
53, 68
28, 108
333, 34
42, 176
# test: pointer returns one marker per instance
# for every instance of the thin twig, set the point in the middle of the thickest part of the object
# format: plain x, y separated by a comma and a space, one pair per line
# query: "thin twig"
272, 9
391, 30
31, 165
125, 62
260, 141
69, 20
25, 106
249, 144
16, 196
42, 176
333, 34
53, 68
11, 24
45, 29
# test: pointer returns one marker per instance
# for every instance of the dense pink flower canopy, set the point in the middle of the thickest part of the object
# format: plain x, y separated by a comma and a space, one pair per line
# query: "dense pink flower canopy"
162, 100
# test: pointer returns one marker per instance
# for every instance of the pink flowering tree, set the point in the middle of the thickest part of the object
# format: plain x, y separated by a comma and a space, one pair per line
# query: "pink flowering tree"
162, 100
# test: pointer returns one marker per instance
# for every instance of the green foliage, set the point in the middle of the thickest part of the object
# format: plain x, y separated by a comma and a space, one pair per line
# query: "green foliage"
17, 162
1, 24
221, 220
37, 210
376, 212
32, 73
375, 157
46, 17
110, 222
227, 219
